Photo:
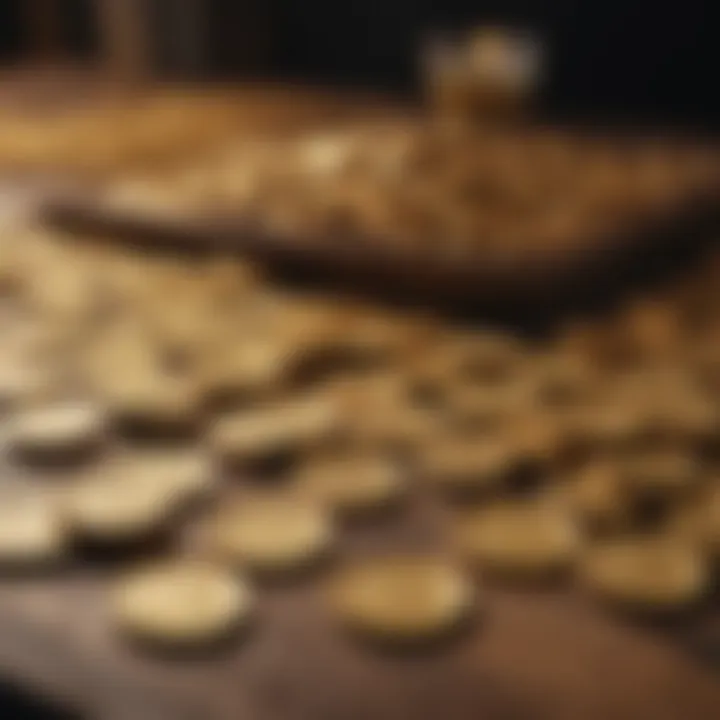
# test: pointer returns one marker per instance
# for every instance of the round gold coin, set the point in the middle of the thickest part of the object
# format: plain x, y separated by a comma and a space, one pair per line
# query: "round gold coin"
403, 597
181, 474
660, 474
247, 436
353, 484
464, 464
272, 533
21, 382
115, 508
32, 530
59, 431
650, 574
597, 496
181, 603
520, 540
697, 520
154, 403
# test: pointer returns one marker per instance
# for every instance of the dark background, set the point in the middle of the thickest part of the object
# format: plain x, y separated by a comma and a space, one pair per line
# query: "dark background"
608, 58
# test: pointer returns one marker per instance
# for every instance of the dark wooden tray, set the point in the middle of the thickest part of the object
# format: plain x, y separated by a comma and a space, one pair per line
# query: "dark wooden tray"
535, 279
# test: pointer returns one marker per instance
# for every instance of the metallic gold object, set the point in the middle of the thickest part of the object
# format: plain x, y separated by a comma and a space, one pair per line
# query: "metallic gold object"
648, 574
272, 533
181, 603
404, 598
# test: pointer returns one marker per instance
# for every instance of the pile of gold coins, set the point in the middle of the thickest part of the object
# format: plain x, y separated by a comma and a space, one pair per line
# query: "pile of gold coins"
419, 188
141, 394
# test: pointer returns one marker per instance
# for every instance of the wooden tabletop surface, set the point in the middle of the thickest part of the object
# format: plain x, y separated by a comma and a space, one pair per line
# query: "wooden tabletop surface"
537, 656
530, 657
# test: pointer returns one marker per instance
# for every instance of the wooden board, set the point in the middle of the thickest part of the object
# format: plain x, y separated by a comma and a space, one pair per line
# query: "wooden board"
539, 282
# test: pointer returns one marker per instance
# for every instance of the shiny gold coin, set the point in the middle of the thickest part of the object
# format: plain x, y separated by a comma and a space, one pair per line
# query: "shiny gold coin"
561, 380
406, 597
468, 464
520, 540
353, 484
153, 402
115, 508
236, 372
21, 383
256, 434
697, 520
272, 533
183, 474
32, 529
597, 496
652, 574
609, 425
58, 431
662, 474
181, 603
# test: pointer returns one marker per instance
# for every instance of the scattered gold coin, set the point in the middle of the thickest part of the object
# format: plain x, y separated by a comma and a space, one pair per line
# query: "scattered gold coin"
153, 402
183, 474
275, 430
353, 484
468, 463
402, 597
597, 496
181, 603
115, 508
662, 474
698, 520
56, 432
519, 540
273, 533
652, 574
32, 529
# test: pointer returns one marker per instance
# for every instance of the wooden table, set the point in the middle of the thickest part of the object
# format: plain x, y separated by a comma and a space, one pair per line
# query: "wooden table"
536, 656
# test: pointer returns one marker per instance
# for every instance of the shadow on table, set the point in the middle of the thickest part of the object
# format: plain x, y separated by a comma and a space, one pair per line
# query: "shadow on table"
20, 703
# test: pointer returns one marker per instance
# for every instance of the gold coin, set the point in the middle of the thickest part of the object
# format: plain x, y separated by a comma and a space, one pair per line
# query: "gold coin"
21, 382
535, 437
605, 426
561, 380
236, 372
351, 484
467, 463
255, 434
661, 474
596, 495
698, 520
181, 603
32, 530
57, 431
153, 402
483, 407
115, 508
520, 540
645, 573
181, 474
402, 597
272, 533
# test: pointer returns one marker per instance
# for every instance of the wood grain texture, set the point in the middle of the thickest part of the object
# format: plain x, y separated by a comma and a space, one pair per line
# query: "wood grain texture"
536, 656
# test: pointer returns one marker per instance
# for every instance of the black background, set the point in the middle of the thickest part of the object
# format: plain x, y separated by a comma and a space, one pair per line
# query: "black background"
610, 58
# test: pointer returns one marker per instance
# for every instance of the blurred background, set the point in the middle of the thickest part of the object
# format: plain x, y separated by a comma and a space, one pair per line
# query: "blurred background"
611, 58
